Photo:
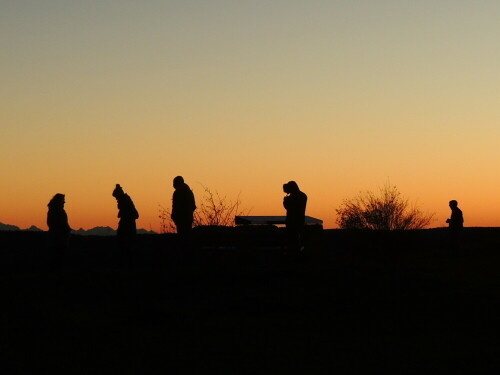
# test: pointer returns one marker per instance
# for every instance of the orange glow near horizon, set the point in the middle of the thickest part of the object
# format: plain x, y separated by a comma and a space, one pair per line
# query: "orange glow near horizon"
85, 210
338, 97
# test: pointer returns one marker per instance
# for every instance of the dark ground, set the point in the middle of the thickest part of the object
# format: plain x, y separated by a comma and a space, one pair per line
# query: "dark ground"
355, 303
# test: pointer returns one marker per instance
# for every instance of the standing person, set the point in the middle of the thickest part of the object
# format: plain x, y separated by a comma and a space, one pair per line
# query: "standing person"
127, 214
59, 229
295, 204
183, 206
455, 223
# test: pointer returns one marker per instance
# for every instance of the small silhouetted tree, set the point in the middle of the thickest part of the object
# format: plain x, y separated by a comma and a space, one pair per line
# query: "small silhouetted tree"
166, 223
212, 209
387, 210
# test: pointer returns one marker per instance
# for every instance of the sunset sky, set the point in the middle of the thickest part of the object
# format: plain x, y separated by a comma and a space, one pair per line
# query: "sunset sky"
242, 96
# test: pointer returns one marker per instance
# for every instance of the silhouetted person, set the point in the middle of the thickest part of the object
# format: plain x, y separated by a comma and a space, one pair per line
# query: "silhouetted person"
295, 204
455, 223
183, 206
127, 214
59, 229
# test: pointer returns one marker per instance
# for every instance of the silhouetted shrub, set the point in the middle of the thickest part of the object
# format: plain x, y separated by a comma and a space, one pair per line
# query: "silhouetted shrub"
387, 210
214, 209
166, 223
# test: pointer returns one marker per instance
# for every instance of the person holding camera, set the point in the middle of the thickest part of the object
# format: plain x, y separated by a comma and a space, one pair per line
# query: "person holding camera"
455, 223
295, 205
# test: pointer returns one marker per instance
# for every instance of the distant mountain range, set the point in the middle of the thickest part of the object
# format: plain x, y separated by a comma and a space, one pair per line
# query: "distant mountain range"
97, 231
7, 227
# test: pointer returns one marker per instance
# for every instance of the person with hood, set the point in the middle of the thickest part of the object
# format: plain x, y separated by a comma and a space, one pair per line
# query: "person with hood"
295, 202
59, 229
183, 206
127, 214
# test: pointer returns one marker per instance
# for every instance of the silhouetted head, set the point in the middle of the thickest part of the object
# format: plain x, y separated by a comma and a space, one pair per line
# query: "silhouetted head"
291, 187
453, 204
178, 181
118, 192
57, 201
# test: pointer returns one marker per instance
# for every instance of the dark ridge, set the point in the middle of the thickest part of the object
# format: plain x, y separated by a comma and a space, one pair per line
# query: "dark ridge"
353, 302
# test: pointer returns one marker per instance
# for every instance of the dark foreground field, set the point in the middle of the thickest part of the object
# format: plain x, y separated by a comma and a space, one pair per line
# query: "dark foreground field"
355, 303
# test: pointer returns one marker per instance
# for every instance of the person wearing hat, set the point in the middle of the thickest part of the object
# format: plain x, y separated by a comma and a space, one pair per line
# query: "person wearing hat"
127, 214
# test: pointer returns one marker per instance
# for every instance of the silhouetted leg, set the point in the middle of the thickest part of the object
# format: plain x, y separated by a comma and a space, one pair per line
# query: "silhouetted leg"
58, 245
124, 249
184, 231
455, 241
126, 234
56, 254
293, 240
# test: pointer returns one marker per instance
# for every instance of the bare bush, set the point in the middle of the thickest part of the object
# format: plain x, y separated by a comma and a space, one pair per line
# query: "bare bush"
166, 223
388, 210
212, 209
